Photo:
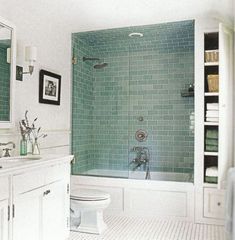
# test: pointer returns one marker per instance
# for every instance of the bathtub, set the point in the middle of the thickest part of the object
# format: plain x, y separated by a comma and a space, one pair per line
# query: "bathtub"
166, 195
159, 176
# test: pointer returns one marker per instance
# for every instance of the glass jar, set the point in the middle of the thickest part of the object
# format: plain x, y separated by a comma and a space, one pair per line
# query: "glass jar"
36, 150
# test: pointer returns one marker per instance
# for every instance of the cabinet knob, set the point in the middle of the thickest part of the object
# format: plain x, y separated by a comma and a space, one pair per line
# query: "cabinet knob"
218, 203
46, 192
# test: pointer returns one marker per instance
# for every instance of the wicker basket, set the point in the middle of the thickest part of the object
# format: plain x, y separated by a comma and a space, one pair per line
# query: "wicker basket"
211, 56
213, 82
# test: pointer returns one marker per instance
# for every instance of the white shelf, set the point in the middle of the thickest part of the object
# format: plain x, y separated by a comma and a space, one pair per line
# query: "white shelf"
209, 94
211, 123
211, 63
211, 153
213, 185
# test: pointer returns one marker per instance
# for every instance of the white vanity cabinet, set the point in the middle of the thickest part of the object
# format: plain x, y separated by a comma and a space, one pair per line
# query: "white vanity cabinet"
35, 198
26, 219
40, 204
4, 208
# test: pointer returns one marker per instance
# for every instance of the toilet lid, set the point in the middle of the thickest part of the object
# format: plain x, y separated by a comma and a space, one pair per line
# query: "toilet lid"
89, 194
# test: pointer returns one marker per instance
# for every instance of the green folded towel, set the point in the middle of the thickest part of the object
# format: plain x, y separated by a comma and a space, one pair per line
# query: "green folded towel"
211, 148
211, 179
212, 134
213, 142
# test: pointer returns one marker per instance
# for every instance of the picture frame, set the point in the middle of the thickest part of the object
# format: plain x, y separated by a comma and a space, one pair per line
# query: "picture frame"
49, 87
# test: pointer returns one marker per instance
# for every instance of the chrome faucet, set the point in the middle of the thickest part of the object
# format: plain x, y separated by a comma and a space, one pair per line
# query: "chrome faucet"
142, 158
7, 150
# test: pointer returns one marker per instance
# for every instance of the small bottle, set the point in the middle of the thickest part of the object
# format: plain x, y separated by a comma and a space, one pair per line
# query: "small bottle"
23, 147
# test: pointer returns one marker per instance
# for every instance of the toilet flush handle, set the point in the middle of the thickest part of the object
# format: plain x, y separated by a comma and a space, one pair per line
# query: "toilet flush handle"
46, 192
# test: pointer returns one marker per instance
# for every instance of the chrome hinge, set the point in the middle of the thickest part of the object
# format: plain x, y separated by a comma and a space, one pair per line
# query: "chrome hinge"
67, 188
13, 211
74, 60
8, 217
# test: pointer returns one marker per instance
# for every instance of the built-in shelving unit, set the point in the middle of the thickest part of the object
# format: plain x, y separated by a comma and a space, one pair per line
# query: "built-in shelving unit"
211, 103
214, 125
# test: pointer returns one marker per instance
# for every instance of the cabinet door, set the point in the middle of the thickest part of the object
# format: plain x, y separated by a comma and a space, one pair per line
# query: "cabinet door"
4, 220
27, 215
54, 211
225, 103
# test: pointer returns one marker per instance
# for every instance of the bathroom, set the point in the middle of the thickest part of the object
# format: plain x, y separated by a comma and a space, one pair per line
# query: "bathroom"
132, 109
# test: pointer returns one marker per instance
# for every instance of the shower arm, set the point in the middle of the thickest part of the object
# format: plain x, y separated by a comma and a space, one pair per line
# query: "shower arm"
90, 59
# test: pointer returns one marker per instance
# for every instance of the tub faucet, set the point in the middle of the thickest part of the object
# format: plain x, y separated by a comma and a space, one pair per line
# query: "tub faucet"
7, 150
142, 157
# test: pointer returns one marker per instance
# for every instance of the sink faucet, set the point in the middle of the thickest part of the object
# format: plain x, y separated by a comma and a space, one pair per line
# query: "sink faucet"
7, 150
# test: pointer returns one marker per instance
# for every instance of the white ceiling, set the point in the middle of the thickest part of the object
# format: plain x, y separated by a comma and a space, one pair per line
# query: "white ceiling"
84, 15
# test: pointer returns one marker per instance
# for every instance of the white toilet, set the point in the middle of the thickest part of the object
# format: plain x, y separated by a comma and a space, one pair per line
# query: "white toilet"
90, 203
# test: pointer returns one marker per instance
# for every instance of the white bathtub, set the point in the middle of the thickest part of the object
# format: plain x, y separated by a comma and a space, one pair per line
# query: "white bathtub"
165, 196
159, 176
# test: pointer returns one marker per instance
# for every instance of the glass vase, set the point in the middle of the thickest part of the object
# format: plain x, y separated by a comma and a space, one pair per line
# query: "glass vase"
36, 150
23, 147
29, 146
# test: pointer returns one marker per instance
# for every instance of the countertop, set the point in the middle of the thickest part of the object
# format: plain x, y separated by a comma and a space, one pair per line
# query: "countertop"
11, 165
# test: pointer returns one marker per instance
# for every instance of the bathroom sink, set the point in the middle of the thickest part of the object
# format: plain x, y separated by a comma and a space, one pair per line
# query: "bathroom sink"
9, 162
20, 158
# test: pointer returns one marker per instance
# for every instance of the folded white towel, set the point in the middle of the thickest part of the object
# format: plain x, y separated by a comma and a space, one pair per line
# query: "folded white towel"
212, 119
229, 207
212, 113
212, 106
212, 171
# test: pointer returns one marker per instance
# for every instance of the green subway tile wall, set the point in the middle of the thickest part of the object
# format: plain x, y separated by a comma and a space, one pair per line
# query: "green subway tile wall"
5, 84
144, 77
82, 114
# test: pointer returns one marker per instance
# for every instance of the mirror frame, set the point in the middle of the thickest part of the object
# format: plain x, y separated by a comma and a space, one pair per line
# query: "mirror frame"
10, 26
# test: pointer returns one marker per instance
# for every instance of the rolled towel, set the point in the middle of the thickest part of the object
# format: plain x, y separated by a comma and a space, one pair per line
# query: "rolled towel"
212, 119
213, 142
211, 179
212, 106
212, 134
212, 113
212, 171
211, 148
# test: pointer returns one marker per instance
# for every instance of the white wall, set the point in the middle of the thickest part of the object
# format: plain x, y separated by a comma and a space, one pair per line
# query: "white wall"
48, 26
54, 54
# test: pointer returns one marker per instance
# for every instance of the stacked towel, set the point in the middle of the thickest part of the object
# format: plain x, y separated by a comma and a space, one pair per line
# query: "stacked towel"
212, 112
212, 174
211, 140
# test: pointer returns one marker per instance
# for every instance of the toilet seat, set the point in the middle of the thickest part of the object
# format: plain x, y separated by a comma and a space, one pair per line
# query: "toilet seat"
83, 194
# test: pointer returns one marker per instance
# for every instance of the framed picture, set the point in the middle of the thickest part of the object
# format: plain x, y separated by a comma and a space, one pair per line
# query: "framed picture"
49, 87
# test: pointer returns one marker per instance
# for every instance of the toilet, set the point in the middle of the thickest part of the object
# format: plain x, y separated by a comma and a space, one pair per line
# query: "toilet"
90, 203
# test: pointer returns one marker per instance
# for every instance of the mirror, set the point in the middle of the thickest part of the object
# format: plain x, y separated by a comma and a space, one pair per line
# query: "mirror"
7, 69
